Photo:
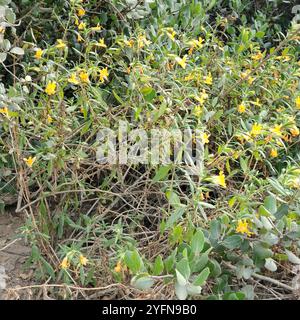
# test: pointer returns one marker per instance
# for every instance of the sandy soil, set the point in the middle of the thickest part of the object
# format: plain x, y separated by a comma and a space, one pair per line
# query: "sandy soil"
13, 255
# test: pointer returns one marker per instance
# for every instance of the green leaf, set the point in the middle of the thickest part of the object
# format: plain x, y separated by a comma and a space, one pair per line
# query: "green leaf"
3, 56
264, 211
158, 267
270, 265
244, 164
202, 261
175, 216
193, 290
133, 261
260, 34
292, 257
215, 229
248, 290
181, 291
201, 278
282, 211
277, 186
215, 268
160, 112
270, 204
162, 173
170, 261
262, 252
118, 98
184, 268
17, 51
266, 223
234, 296
86, 127
48, 268
173, 198
4, 2
148, 93
197, 242
142, 283
10, 16
180, 278
35, 253
212, 3
233, 242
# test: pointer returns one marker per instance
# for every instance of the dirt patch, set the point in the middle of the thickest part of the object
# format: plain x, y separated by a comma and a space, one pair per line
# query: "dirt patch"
13, 254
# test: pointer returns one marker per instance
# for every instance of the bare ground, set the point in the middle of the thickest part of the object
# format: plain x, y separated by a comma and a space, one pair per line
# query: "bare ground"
13, 255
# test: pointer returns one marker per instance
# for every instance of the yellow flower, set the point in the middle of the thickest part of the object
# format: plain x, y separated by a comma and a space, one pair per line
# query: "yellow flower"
171, 33
246, 74
4, 111
80, 12
205, 138
60, 44
104, 74
236, 155
274, 153
118, 267
220, 179
84, 77
83, 260
277, 130
198, 111
51, 88
202, 97
73, 79
29, 161
65, 264
97, 28
191, 50
189, 77
286, 138
79, 38
208, 79
129, 43
256, 129
38, 53
101, 43
81, 26
294, 131
2, 30
298, 102
49, 119
251, 80
241, 108
243, 227
197, 43
257, 56
181, 61
142, 41
256, 103
284, 57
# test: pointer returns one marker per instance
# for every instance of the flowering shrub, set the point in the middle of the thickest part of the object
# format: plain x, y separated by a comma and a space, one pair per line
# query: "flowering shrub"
157, 228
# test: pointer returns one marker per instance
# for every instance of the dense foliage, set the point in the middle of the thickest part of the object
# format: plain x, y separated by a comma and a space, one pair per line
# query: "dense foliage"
228, 68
